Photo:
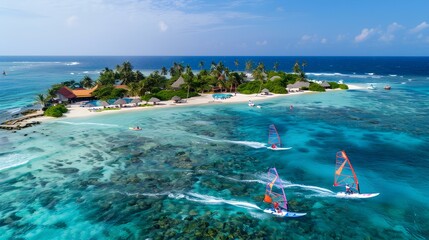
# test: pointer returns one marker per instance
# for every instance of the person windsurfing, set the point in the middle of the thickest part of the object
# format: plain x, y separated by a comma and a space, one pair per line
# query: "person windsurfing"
276, 207
348, 190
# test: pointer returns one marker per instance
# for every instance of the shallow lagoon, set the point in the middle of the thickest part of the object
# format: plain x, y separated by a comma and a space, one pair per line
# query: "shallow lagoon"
200, 172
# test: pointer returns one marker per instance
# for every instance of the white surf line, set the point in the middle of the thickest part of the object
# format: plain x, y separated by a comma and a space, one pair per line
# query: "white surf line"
89, 123
246, 143
196, 197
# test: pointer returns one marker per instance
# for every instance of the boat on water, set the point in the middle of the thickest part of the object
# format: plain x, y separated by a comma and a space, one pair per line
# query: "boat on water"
251, 103
135, 128
275, 195
345, 176
387, 87
274, 140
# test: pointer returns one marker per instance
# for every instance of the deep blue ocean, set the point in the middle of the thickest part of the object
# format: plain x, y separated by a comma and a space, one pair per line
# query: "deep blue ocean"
200, 171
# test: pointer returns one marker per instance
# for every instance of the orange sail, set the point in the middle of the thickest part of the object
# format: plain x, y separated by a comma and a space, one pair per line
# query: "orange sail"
344, 172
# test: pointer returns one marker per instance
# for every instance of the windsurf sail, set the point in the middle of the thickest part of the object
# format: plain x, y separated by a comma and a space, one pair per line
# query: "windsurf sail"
273, 136
344, 172
274, 191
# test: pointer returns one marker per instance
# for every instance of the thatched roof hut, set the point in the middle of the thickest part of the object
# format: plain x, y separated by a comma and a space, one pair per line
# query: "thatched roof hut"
154, 100
176, 99
265, 91
104, 103
120, 102
176, 85
325, 84
136, 100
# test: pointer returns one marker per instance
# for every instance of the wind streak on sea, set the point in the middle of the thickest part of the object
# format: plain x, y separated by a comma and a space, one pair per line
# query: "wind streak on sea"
246, 143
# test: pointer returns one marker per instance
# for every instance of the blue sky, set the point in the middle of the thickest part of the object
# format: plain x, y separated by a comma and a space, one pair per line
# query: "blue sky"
219, 27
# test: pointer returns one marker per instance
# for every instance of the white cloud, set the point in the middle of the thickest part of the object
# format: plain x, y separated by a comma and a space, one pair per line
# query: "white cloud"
323, 40
419, 27
364, 35
306, 37
389, 35
72, 21
262, 43
162, 26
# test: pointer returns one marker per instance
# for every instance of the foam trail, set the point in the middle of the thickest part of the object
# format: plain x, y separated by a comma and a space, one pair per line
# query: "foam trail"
196, 197
242, 180
13, 160
246, 143
144, 194
89, 123
311, 188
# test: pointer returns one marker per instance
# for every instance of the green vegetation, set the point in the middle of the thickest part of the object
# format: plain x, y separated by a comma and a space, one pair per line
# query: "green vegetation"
109, 92
344, 86
334, 85
316, 87
56, 111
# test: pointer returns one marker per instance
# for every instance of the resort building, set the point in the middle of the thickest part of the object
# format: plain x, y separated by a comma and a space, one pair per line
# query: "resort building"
298, 86
176, 85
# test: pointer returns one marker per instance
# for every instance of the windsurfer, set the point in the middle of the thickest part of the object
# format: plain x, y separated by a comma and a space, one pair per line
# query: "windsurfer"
276, 207
348, 190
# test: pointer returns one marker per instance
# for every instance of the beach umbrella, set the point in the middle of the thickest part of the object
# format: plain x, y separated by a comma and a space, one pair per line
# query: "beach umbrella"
154, 100
104, 103
136, 100
120, 102
89, 105
266, 91
176, 99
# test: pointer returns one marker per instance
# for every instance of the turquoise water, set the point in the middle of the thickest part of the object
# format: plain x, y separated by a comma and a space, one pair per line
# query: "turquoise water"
200, 171
221, 95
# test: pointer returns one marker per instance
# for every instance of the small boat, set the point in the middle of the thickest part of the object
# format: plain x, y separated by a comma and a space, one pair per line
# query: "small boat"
274, 140
387, 87
345, 176
135, 128
275, 194
251, 104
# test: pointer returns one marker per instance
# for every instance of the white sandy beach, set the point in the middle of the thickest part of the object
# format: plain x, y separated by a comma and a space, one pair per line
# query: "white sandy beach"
75, 111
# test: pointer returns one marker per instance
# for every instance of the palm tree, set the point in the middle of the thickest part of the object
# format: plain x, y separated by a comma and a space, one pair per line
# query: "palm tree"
236, 63
163, 71
41, 99
296, 68
261, 67
249, 66
201, 65
276, 66
303, 64
87, 82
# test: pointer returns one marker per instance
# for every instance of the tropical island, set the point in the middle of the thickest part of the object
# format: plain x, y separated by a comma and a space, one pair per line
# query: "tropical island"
183, 83
124, 87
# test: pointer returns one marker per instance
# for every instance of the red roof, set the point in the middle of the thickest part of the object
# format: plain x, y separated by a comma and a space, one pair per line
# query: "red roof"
66, 92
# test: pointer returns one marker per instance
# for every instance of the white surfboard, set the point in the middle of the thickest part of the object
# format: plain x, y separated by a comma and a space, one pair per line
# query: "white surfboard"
356, 195
283, 213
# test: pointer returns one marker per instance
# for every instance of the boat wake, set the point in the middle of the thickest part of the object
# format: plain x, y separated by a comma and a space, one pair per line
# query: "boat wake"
246, 143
